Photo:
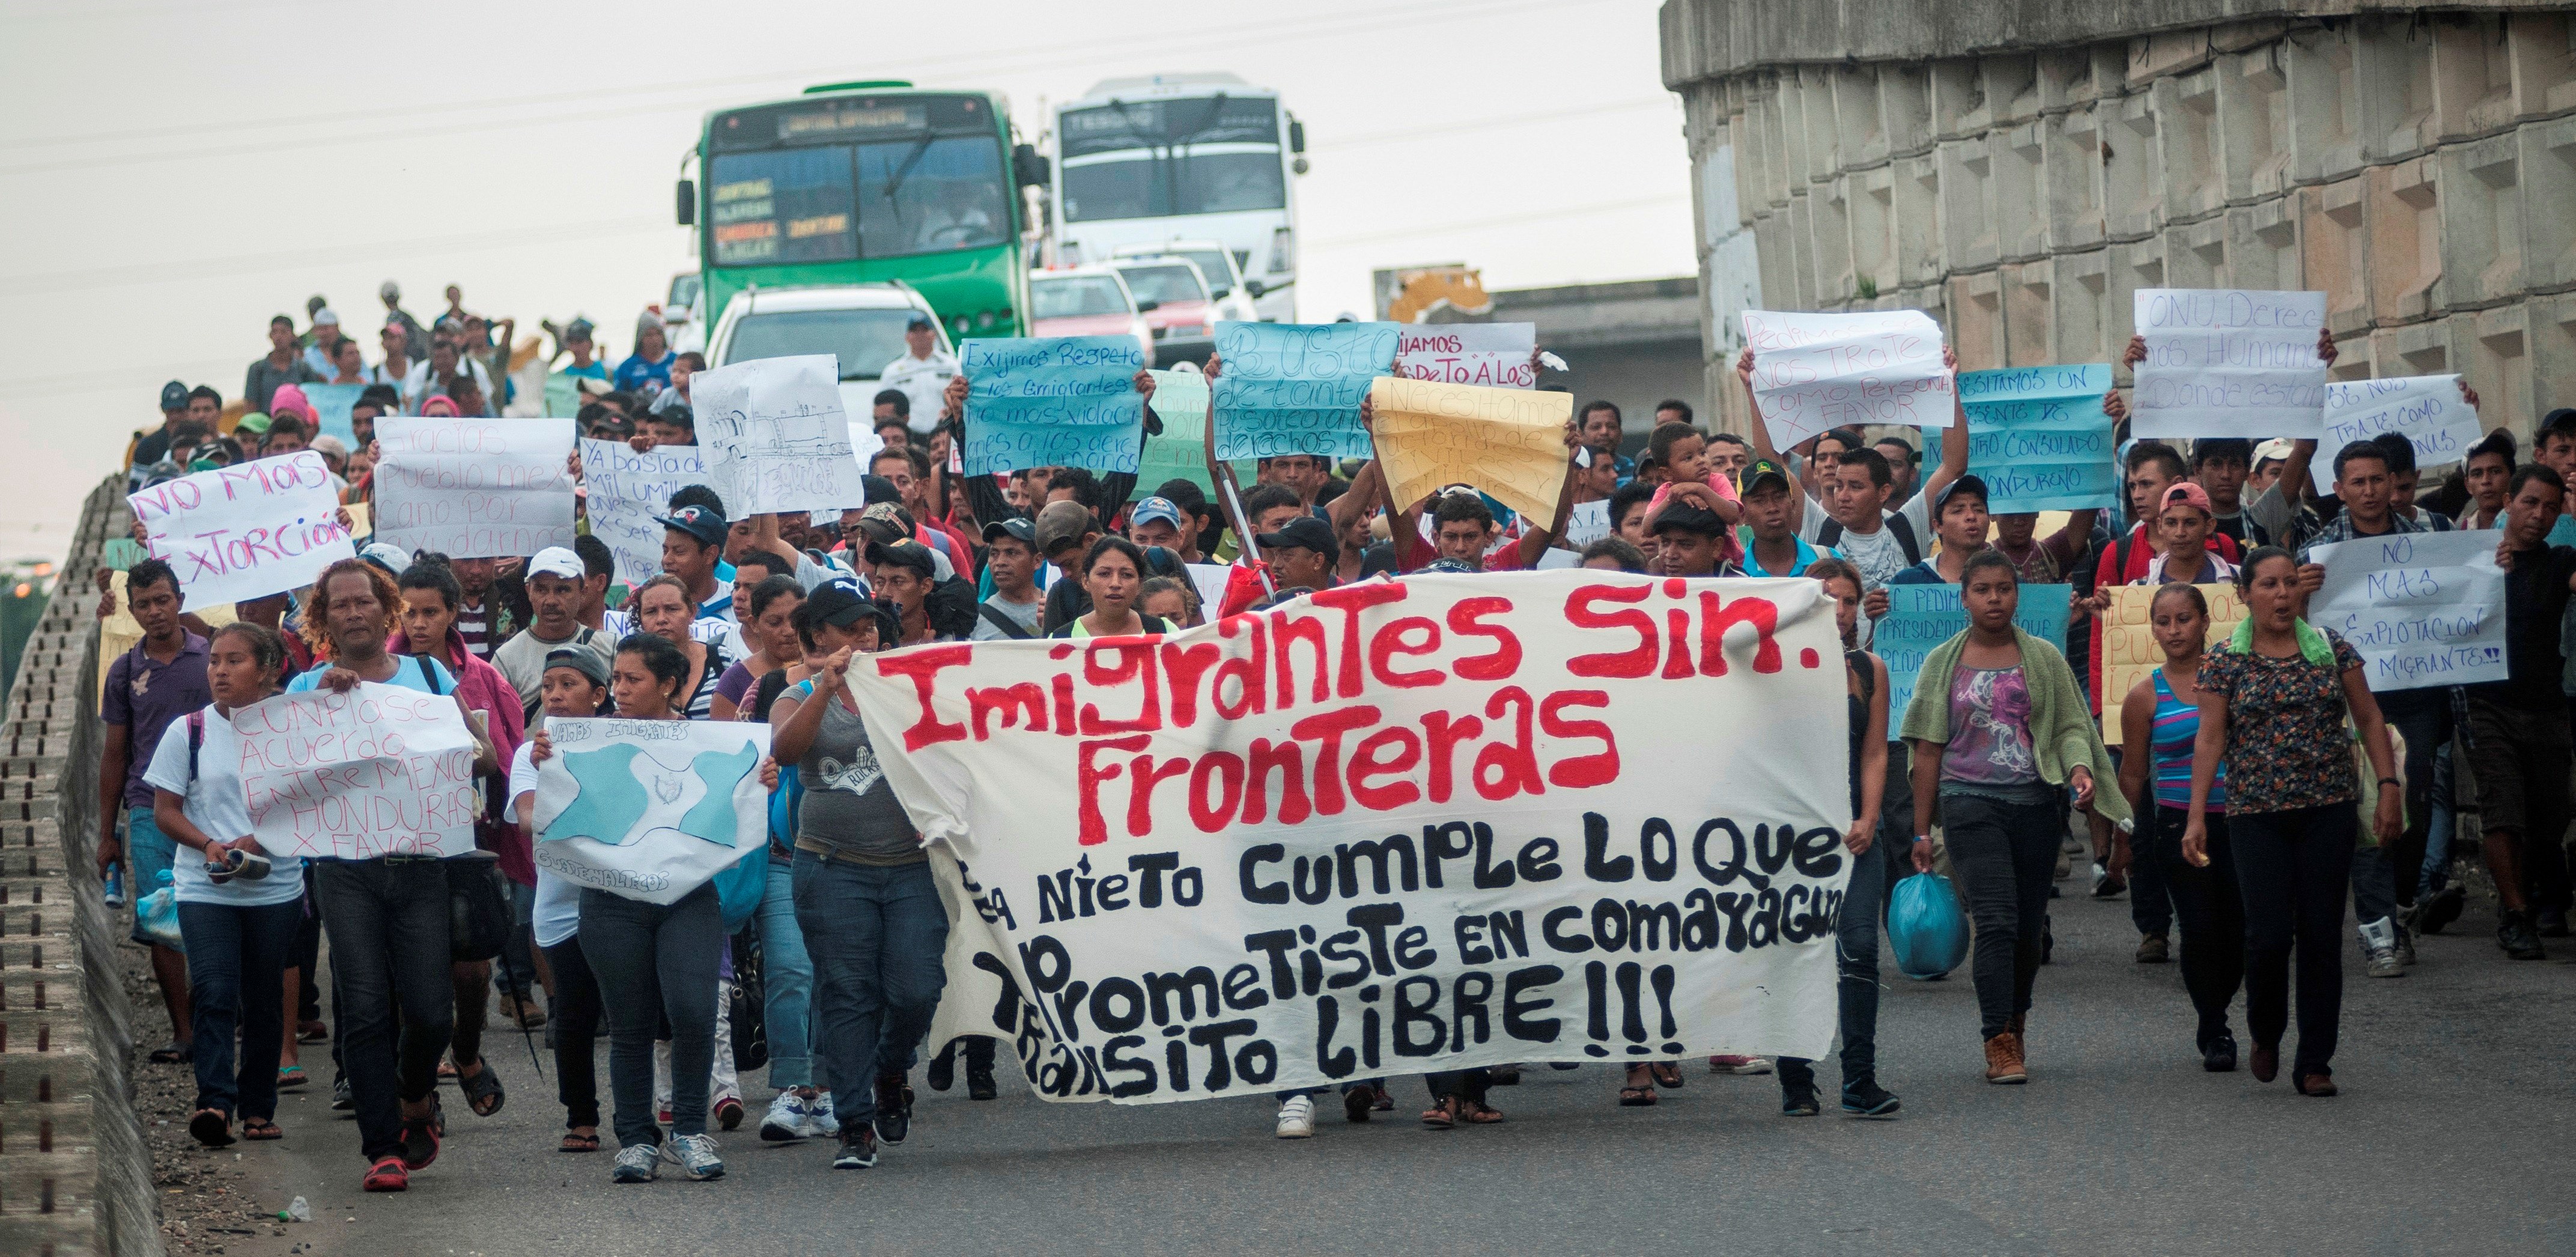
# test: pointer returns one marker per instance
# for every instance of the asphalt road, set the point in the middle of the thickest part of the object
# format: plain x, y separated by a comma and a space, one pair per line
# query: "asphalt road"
2452, 1135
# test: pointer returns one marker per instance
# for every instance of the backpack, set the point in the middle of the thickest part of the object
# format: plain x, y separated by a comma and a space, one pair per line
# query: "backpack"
1002, 623
950, 607
1831, 535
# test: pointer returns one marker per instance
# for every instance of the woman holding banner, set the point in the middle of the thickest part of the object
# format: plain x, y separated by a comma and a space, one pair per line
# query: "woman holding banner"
1999, 727
2273, 702
574, 683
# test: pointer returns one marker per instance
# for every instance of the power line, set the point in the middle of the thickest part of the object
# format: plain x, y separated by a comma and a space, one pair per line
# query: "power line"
1571, 211
1460, 128
255, 263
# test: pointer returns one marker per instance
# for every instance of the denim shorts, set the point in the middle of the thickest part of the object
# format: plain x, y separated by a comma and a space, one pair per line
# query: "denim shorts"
148, 853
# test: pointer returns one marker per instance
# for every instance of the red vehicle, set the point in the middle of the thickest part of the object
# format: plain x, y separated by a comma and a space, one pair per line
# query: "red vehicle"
1088, 301
1173, 296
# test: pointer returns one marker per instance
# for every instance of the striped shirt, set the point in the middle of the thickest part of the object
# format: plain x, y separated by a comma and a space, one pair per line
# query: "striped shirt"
2177, 729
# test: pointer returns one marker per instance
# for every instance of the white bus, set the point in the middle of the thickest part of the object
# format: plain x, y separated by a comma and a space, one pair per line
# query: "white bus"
1183, 157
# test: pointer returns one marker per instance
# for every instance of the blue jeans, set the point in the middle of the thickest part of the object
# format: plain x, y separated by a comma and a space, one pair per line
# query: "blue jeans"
237, 977
655, 962
878, 937
788, 1006
1856, 958
148, 853
2438, 831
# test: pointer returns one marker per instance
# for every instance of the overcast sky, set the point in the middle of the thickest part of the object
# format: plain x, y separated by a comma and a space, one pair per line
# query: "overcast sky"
176, 172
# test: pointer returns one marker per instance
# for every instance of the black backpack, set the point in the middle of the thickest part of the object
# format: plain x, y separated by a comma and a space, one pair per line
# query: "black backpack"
1831, 535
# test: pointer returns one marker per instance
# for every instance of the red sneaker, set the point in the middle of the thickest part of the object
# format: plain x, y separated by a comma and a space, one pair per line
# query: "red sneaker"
387, 1175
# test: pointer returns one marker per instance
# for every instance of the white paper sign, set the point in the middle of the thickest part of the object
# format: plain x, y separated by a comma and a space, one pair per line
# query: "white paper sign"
2228, 362
2423, 608
864, 444
775, 436
1493, 354
1813, 372
1588, 522
2428, 409
380, 770
474, 488
628, 492
1210, 578
650, 809
245, 531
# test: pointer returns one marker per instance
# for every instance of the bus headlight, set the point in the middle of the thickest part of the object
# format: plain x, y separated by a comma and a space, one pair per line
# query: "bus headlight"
1283, 251
984, 320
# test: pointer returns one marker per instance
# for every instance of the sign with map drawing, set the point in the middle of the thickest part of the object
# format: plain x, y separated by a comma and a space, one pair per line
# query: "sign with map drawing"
650, 809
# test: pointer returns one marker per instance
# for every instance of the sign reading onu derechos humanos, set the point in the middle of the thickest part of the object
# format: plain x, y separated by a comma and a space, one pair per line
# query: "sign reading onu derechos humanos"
2228, 362
1400, 826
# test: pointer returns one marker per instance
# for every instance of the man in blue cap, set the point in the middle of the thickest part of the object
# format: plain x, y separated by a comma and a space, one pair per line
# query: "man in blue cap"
1156, 522
151, 447
693, 540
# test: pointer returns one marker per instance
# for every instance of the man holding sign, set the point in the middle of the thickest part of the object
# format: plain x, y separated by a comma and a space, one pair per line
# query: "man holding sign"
2518, 735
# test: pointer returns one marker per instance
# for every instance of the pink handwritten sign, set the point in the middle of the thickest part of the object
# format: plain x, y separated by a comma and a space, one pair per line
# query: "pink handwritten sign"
377, 771
244, 531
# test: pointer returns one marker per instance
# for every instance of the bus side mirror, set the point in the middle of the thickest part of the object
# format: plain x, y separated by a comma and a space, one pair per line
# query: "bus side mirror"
1255, 287
688, 198
1296, 136
1148, 306
1029, 167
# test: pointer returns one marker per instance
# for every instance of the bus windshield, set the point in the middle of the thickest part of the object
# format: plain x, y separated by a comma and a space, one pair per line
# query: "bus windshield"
1075, 296
1196, 183
836, 202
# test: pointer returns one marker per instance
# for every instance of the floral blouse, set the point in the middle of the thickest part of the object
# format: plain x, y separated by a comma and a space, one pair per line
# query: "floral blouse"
2286, 746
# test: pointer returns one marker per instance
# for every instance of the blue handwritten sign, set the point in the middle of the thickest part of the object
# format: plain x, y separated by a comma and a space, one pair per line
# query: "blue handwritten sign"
1295, 388
2038, 438
331, 406
1053, 401
1921, 617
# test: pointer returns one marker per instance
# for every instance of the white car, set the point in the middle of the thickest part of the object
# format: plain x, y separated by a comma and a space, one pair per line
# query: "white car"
862, 324
1087, 301
1232, 294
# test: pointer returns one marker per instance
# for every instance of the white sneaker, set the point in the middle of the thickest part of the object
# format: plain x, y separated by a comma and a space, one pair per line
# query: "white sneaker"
697, 1157
820, 1122
1297, 1118
786, 1120
636, 1163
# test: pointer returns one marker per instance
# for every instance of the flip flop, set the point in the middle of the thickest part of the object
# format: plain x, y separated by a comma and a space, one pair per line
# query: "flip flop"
1636, 1097
261, 1128
290, 1077
573, 1142
1667, 1074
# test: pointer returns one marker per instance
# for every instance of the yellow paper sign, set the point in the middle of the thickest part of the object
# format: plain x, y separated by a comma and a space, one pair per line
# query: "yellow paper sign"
120, 632
2129, 649
1509, 442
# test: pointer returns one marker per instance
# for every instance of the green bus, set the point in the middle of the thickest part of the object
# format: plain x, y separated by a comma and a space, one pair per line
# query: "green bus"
865, 183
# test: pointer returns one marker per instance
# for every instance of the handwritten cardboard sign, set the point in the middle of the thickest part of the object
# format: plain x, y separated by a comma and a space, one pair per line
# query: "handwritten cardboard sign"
380, 770
2428, 410
474, 488
1053, 401
2038, 438
627, 494
775, 437
1812, 372
2228, 362
2129, 649
1508, 442
240, 532
1490, 355
1180, 453
1921, 617
1295, 388
331, 406
2423, 608
650, 809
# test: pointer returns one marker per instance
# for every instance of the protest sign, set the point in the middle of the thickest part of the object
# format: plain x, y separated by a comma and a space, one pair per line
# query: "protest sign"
650, 809
1817, 371
774, 435
2423, 608
2427, 409
2227, 362
864, 443
1494, 355
629, 493
1508, 442
1588, 522
1053, 401
1399, 826
380, 770
2038, 438
331, 406
243, 531
1295, 388
562, 396
1180, 453
1921, 617
2129, 649
474, 488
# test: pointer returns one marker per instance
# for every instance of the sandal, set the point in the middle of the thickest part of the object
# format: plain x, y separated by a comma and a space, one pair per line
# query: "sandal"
211, 1127
482, 1089
1667, 1074
1636, 1097
1442, 1116
312, 1032
575, 1141
447, 1072
261, 1128
1475, 1114
289, 1077
171, 1053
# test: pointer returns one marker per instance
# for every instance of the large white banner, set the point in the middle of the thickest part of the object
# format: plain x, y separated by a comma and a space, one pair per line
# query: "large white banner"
775, 436
629, 494
2429, 410
650, 809
2423, 608
1496, 355
1392, 827
2228, 362
380, 770
475, 488
1812, 372
246, 531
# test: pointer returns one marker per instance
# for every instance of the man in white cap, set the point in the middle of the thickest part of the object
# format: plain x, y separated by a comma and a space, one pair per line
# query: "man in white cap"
2269, 458
922, 373
323, 354
554, 584
415, 337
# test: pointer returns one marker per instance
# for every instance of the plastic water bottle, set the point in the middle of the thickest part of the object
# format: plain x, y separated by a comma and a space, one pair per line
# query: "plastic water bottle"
296, 1212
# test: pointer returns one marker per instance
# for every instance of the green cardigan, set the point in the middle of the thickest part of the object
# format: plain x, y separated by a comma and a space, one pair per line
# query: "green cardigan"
2062, 734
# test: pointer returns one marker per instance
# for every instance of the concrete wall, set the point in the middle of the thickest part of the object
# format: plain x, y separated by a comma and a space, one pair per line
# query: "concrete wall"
75, 1177
2019, 167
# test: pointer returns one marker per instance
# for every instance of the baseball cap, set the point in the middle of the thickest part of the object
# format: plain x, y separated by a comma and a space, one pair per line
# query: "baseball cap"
255, 423
329, 444
389, 291
1762, 471
579, 329
1306, 532
2186, 493
1155, 508
875, 489
1684, 515
2277, 447
1061, 524
697, 521
1970, 483
905, 552
918, 319
1016, 529
326, 316
839, 603
581, 659
387, 555
558, 561
174, 396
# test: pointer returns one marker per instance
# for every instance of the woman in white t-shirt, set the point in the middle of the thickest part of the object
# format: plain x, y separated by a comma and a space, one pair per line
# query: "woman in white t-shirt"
574, 683
239, 906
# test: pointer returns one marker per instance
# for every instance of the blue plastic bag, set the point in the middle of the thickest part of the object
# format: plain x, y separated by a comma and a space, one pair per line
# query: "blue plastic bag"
1926, 927
156, 915
740, 886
